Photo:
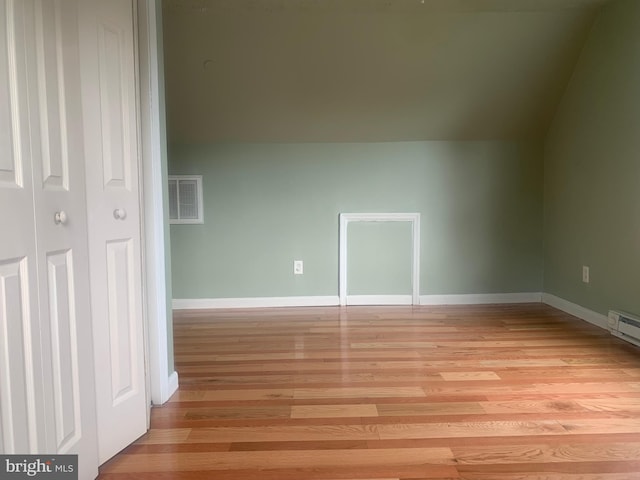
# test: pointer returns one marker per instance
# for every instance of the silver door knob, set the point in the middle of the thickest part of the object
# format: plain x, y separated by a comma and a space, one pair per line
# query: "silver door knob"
119, 214
60, 218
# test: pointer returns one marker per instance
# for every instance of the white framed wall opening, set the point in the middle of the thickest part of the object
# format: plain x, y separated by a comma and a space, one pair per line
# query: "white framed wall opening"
345, 220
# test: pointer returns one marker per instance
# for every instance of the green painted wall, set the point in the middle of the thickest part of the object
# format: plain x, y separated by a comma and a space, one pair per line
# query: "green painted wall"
379, 258
592, 171
266, 205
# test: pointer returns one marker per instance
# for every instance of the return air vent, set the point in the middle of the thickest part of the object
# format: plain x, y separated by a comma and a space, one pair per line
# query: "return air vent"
625, 326
185, 199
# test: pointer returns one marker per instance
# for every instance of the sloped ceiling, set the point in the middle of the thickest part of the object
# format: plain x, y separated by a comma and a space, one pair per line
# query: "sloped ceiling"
368, 70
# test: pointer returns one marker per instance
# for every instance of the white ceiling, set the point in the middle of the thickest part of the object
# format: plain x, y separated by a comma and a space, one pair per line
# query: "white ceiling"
368, 70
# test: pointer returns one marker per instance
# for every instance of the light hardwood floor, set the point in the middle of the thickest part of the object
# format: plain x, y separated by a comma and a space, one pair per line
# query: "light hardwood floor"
385, 393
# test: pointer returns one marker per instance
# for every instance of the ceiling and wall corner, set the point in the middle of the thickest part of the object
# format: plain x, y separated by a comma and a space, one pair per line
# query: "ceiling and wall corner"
368, 70
279, 99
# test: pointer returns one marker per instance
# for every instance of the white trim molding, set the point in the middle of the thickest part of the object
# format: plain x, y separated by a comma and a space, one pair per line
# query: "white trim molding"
481, 298
151, 139
346, 218
173, 384
255, 302
576, 310
379, 300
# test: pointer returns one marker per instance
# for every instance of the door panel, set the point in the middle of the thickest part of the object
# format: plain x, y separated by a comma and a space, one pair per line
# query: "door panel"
109, 107
17, 393
64, 350
10, 147
51, 95
114, 105
22, 414
61, 243
122, 335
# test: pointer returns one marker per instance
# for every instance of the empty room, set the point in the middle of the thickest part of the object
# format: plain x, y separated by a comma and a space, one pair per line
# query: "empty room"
404, 241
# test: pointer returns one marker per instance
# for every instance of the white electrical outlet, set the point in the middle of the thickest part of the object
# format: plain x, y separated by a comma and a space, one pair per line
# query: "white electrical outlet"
585, 274
298, 267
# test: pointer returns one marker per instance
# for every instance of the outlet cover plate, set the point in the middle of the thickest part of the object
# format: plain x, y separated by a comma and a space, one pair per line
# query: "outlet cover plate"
585, 274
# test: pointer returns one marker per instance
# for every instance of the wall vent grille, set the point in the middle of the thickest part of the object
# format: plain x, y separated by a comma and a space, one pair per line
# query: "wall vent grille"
185, 199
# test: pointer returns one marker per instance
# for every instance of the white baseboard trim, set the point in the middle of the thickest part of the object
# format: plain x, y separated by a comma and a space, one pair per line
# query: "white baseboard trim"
379, 300
482, 298
173, 384
169, 387
576, 310
334, 300
256, 302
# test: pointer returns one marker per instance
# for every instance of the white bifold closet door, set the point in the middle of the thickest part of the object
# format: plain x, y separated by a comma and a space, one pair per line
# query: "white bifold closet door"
72, 374
113, 201
47, 395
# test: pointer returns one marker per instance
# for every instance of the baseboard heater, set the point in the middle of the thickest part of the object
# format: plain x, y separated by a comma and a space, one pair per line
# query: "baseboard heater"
625, 326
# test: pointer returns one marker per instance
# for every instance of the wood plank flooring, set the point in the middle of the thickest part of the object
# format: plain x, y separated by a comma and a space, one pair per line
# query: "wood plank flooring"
503, 392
